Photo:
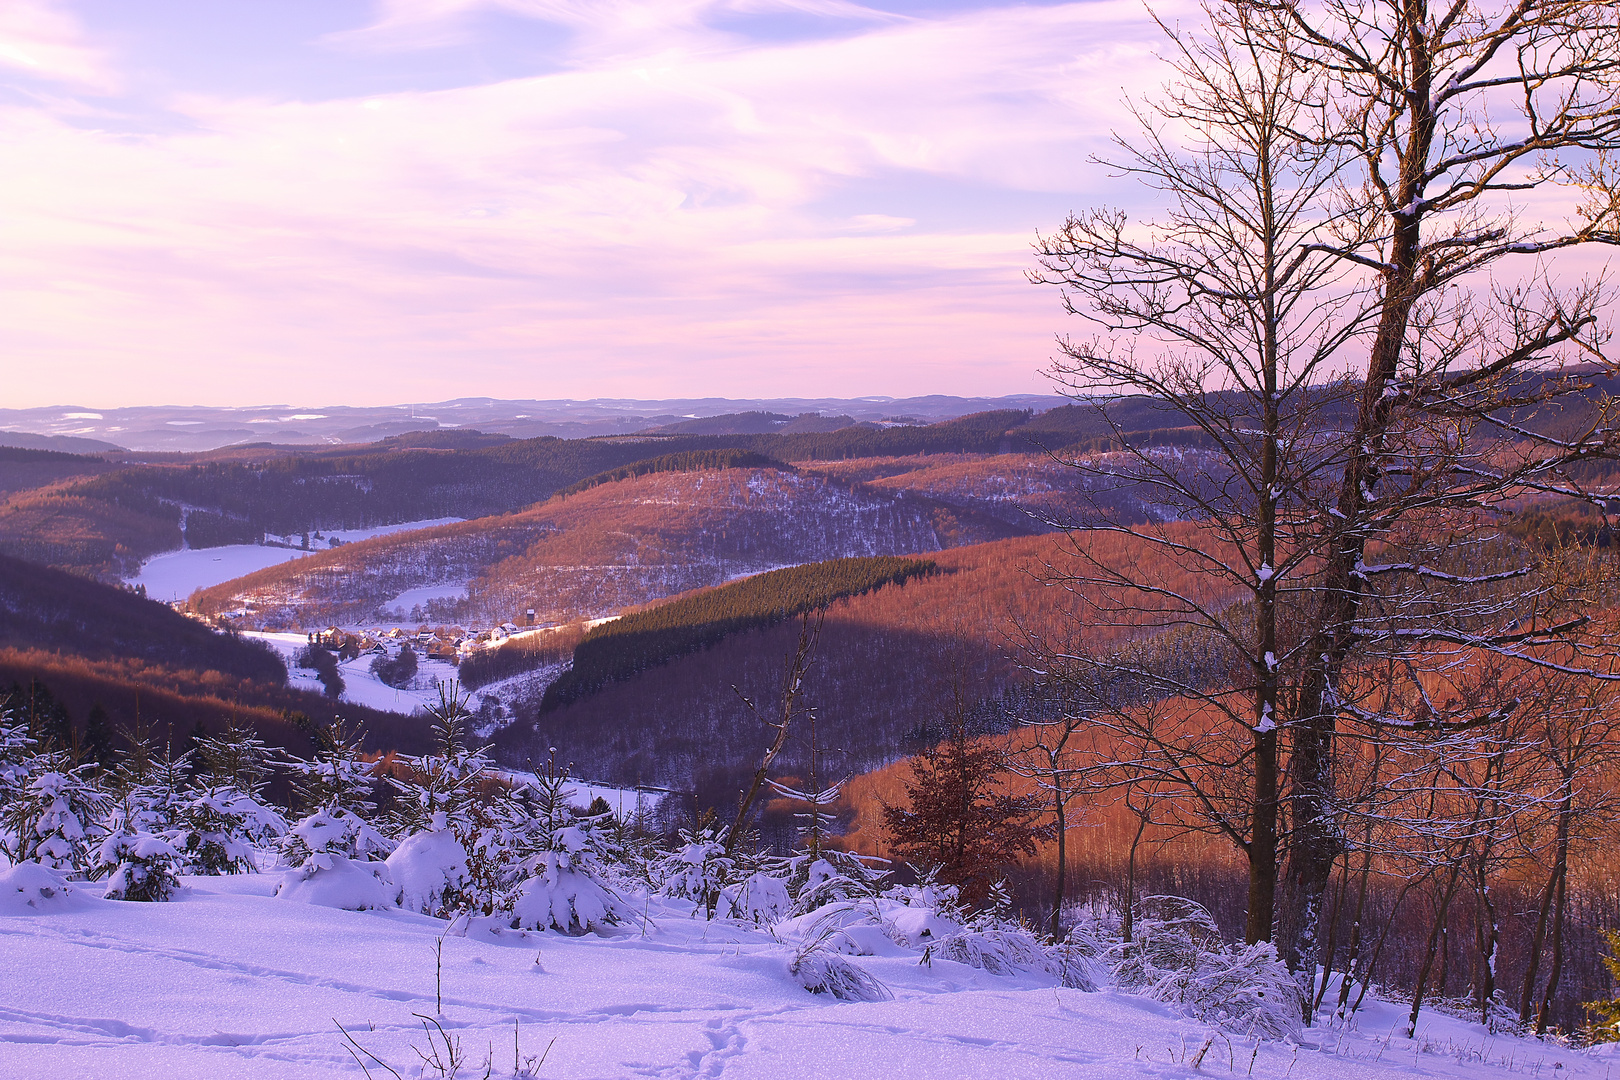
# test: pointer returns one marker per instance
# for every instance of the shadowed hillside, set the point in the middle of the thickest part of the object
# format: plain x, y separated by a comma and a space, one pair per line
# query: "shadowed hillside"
638, 642
888, 665
92, 644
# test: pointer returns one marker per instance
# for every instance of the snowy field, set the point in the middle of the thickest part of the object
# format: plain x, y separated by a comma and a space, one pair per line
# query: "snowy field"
360, 685
175, 575
422, 594
228, 981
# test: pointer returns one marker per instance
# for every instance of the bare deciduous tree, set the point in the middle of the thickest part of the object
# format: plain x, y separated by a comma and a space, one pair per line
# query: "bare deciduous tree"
1344, 300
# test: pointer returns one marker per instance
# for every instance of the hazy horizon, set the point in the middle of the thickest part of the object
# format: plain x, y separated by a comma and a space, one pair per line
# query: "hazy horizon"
80, 427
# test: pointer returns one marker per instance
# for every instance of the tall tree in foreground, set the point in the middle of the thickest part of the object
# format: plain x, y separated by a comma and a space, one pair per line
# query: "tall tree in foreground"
1346, 302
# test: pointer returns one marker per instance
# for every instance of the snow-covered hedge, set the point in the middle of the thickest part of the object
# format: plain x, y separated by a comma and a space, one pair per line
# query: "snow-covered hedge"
1176, 955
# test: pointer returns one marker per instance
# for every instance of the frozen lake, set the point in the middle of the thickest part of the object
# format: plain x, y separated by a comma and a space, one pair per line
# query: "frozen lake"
175, 575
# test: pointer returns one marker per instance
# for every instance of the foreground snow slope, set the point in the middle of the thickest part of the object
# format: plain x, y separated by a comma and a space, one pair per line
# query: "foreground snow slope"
230, 982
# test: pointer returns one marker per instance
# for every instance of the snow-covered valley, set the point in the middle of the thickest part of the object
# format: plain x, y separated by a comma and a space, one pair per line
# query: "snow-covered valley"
175, 575
229, 981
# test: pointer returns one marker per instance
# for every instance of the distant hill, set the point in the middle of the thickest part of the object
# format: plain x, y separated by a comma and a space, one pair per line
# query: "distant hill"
744, 423
593, 553
28, 469
685, 461
105, 524
70, 444
55, 611
194, 429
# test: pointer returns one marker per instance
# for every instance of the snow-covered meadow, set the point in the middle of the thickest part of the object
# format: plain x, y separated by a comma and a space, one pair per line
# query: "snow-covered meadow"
360, 684
175, 575
228, 980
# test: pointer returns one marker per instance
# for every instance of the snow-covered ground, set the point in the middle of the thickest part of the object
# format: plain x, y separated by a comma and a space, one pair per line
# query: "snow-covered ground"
228, 981
410, 598
363, 687
175, 575
360, 685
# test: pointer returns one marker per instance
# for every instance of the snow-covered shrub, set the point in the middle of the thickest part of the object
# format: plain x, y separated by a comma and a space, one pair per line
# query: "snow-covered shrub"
929, 892
821, 968
563, 855
922, 914
698, 869
1247, 990
46, 821
237, 758
217, 829
334, 830
338, 775
494, 842
332, 848
929, 916
760, 899
1176, 956
141, 867
445, 782
1011, 951
559, 897
831, 876
1171, 934
329, 880
16, 750
150, 789
917, 926
31, 889
429, 873
1094, 928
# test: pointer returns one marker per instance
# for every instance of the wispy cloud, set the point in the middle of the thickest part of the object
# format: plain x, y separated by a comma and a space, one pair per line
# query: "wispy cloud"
850, 211
607, 27
43, 40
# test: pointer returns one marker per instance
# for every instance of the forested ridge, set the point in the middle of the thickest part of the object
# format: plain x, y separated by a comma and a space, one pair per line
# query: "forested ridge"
102, 514
102, 517
594, 553
638, 642
684, 461
888, 662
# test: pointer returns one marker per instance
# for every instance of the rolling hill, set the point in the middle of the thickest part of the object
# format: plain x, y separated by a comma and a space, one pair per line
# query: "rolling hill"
587, 555
101, 518
889, 666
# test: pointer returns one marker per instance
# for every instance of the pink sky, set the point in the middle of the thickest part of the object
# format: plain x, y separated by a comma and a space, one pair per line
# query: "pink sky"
420, 199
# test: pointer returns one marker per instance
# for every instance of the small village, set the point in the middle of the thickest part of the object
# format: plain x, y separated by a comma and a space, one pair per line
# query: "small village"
449, 644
